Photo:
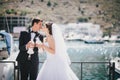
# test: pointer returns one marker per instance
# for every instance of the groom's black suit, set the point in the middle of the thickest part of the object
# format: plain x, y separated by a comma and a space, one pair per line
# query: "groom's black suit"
27, 67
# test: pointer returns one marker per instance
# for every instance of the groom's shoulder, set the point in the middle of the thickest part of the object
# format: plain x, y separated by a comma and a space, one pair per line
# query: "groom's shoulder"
24, 32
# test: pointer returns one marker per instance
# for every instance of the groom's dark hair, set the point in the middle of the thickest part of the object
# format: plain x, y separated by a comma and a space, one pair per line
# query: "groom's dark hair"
36, 21
49, 26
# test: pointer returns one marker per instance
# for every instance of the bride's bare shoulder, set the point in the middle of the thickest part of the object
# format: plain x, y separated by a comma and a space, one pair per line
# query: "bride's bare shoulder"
48, 38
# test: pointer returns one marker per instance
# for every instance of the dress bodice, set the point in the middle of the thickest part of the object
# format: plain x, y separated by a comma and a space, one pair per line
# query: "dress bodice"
49, 55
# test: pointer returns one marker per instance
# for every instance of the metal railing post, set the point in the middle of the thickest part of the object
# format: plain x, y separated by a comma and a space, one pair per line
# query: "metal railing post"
17, 68
81, 71
113, 71
109, 70
14, 70
18, 73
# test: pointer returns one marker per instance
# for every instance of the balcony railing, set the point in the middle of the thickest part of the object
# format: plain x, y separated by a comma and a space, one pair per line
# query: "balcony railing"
110, 68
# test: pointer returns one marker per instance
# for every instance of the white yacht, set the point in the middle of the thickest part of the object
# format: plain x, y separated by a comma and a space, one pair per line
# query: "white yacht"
116, 60
8, 52
72, 36
93, 40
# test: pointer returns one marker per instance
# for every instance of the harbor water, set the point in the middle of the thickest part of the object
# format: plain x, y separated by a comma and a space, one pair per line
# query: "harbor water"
81, 52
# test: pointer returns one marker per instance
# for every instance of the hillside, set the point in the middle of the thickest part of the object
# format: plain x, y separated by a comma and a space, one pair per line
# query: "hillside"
103, 12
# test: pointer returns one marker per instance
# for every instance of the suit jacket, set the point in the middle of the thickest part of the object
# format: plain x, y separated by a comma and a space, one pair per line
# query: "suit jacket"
24, 38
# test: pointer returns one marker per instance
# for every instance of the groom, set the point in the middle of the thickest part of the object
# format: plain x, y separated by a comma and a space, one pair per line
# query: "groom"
29, 65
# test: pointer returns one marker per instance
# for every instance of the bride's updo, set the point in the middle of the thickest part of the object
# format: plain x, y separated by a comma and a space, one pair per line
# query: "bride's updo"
49, 26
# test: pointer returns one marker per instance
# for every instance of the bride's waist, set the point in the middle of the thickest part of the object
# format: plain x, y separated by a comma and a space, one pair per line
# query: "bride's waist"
50, 55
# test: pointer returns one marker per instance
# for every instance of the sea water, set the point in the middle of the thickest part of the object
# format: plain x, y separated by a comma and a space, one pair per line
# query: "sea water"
79, 51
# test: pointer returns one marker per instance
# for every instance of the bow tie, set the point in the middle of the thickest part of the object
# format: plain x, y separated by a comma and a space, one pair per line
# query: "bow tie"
36, 33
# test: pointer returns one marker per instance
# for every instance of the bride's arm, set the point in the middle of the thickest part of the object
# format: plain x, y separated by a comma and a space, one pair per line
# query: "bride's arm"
51, 47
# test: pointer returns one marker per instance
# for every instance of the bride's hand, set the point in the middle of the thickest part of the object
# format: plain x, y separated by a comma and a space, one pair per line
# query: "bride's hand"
39, 45
45, 30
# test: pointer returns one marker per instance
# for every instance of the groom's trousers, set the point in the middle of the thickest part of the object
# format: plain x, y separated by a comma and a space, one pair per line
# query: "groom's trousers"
28, 70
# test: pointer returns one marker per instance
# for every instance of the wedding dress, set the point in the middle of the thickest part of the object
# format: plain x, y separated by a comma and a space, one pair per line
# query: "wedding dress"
57, 66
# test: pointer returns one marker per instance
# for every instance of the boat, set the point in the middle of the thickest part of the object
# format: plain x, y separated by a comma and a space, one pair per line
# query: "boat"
7, 69
106, 38
93, 42
116, 60
113, 38
117, 40
73, 37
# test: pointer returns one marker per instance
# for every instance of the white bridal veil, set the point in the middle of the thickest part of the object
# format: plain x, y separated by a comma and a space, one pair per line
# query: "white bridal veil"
60, 47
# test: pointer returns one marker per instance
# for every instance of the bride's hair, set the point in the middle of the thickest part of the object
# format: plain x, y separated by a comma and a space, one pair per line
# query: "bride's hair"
49, 26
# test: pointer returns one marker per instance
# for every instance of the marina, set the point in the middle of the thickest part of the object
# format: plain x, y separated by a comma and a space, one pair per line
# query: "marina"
82, 55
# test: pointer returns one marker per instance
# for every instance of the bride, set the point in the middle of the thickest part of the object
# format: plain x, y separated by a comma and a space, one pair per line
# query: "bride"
56, 66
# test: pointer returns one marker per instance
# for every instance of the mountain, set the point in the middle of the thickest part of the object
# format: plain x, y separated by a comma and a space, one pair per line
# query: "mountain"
103, 12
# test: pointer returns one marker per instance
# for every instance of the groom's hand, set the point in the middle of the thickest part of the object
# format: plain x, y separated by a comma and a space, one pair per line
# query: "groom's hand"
30, 45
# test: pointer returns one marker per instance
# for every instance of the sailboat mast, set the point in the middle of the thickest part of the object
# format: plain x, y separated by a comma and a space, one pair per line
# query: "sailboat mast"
7, 24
